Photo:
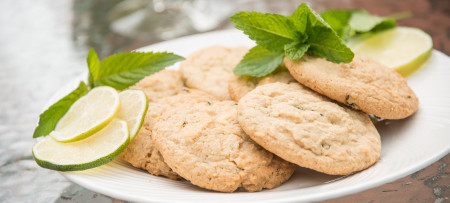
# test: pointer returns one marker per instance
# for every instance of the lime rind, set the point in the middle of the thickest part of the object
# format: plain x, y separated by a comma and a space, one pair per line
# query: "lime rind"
142, 112
406, 69
97, 127
85, 134
81, 166
135, 131
404, 66
140, 123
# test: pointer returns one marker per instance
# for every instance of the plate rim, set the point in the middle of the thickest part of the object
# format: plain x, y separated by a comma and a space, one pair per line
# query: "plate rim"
287, 198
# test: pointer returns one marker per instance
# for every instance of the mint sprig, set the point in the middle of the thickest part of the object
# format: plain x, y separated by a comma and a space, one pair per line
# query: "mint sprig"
348, 23
272, 31
259, 62
363, 21
339, 21
118, 71
292, 36
51, 116
295, 50
93, 66
125, 69
324, 42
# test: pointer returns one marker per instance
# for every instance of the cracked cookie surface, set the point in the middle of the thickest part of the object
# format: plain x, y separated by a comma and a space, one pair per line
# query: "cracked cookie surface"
141, 152
161, 84
204, 143
238, 86
308, 129
362, 84
210, 68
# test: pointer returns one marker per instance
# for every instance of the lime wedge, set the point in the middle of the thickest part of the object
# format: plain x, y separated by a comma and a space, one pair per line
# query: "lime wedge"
404, 49
98, 149
87, 115
133, 107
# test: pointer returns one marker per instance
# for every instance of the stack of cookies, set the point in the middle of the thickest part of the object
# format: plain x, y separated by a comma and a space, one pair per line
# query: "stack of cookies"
224, 132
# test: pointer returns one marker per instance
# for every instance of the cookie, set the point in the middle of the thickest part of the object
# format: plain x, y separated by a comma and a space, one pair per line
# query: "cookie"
141, 152
238, 86
204, 144
161, 84
308, 129
209, 69
361, 84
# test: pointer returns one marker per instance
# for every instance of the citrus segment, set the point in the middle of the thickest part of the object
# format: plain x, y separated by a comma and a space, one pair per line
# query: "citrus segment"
98, 149
87, 115
133, 107
404, 49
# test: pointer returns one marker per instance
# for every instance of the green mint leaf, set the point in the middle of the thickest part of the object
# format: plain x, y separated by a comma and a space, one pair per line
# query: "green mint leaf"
322, 39
315, 19
271, 31
51, 116
300, 18
125, 69
259, 62
363, 21
304, 15
277, 36
325, 43
338, 20
348, 23
94, 67
295, 50
387, 23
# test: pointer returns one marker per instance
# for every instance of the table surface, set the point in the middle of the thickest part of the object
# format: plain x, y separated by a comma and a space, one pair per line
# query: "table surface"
43, 44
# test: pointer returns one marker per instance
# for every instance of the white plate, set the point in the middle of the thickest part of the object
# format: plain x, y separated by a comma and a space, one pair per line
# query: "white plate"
407, 145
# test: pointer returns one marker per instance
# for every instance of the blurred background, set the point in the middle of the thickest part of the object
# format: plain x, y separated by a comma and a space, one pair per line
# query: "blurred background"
112, 26
44, 44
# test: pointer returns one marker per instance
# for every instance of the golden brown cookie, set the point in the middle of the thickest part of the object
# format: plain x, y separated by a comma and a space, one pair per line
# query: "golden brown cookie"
308, 129
361, 84
161, 84
204, 144
209, 69
141, 152
238, 86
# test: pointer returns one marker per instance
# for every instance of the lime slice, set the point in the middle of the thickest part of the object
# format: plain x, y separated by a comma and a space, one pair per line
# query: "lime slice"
404, 49
133, 107
98, 149
87, 115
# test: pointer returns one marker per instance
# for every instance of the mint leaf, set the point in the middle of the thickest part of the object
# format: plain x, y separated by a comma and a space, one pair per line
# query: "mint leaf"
125, 69
93, 66
277, 36
272, 31
314, 19
322, 39
295, 50
300, 18
387, 23
338, 20
347, 23
325, 43
51, 116
259, 62
363, 21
